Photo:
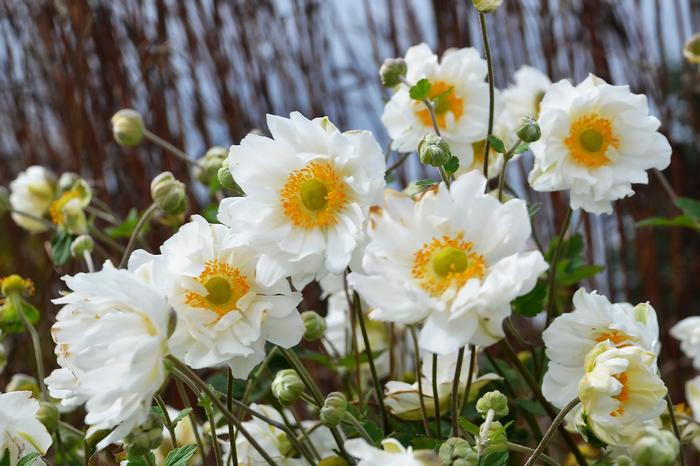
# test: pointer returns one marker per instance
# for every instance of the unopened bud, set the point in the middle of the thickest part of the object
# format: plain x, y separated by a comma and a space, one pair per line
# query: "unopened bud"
529, 130
81, 245
333, 461
145, 437
16, 284
691, 49
287, 386
23, 383
48, 415
391, 71
496, 435
314, 325
226, 180
169, 194
623, 460
458, 452
494, 400
434, 150
655, 447
127, 127
5, 205
487, 6
334, 409
208, 165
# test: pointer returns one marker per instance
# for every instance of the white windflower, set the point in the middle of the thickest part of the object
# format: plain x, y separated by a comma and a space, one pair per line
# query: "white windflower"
392, 453
32, 192
572, 335
308, 192
458, 82
620, 390
224, 313
454, 258
523, 99
20, 431
111, 340
692, 396
687, 331
597, 139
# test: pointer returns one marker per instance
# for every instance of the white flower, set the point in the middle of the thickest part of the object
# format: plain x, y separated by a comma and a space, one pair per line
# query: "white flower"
692, 396
572, 335
32, 192
455, 259
309, 190
620, 390
597, 139
225, 314
458, 82
523, 99
111, 339
687, 331
20, 431
391, 454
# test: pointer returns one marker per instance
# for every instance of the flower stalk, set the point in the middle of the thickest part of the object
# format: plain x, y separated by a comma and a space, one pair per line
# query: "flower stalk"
550, 431
492, 91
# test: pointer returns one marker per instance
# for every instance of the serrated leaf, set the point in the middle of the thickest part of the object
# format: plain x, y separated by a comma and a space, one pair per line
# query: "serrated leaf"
532, 303
499, 458
468, 426
522, 147
28, 459
60, 247
426, 182
180, 456
451, 166
185, 412
690, 207
679, 221
420, 90
497, 144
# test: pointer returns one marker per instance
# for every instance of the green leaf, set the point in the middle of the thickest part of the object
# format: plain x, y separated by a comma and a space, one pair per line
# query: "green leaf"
451, 166
499, 458
210, 212
522, 147
531, 406
28, 459
60, 247
425, 443
690, 207
180, 456
532, 303
426, 182
679, 221
580, 273
181, 416
421, 90
124, 229
9, 319
497, 144
572, 266
5, 458
468, 426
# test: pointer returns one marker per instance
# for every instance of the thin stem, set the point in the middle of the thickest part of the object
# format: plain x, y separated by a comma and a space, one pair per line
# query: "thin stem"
214, 440
167, 421
169, 147
106, 216
304, 434
454, 400
353, 342
419, 377
436, 398
229, 406
148, 460
676, 430
88, 261
489, 63
134, 234
97, 233
470, 376
552, 285
550, 431
370, 359
16, 301
352, 420
192, 415
523, 449
398, 163
502, 175
484, 432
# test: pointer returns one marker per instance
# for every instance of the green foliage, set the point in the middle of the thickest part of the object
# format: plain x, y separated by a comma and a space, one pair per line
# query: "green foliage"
420, 90
427, 182
180, 456
468, 426
572, 266
689, 219
60, 247
522, 147
28, 459
10, 321
451, 166
185, 412
497, 144
532, 303
499, 458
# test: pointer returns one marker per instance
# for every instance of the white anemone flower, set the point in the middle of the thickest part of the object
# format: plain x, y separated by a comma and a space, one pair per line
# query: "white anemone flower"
455, 259
597, 139
523, 98
687, 331
224, 314
308, 192
111, 341
572, 335
20, 431
392, 453
458, 82
619, 392
32, 192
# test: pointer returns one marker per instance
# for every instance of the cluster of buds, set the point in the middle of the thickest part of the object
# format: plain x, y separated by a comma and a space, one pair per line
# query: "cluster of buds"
208, 165
434, 150
458, 452
334, 409
287, 386
148, 436
169, 194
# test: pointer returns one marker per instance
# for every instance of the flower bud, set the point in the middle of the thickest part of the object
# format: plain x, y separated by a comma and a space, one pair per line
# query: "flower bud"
5, 205
23, 383
145, 437
208, 165
169, 194
427, 458
314, 325
334, 409
127, 127
487, 6
67, 180
333, 461
458, 452
691, 49
48, 415
391, 71
287, 386
81, 245
529, 130
16, 284
493, 400
434, 150
655, 447
496, 435
623, 460
226, 180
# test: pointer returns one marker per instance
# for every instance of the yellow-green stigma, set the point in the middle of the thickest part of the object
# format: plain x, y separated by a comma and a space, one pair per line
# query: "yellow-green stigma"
314, 195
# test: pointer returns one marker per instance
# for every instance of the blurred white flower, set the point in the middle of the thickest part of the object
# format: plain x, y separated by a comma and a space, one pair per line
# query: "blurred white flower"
32, 192
308, 192
392, 453
572, 335
687, 331
597, 139
20, 431
111, 339
523, 98
454, 259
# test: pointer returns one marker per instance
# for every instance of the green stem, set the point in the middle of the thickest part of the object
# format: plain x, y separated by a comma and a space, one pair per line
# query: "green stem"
169, 147
352, 420
192, 415
523, 449
550, 431
41, 220
97, 233
229, 406
419, 377
552, 285
148, 460
398, 163
489, 63
214, 441
502, 175
676, 430
134, 234
16, 301
436, 398
456, 405
166, 417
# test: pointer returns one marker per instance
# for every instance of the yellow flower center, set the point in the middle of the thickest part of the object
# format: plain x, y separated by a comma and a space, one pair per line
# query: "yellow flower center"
589, 139
56, 207
225, 285
445, 100
314, 195
616, 337
623, 396
446, 262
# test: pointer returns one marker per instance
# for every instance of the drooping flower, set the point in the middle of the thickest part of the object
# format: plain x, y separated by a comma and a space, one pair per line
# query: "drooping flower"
572, 335
687, 331
454, 258
32, 192
392, 453
20, 431
460, 92
619, 391
523, 99
111, 340
225, 315
597, 139
308, 191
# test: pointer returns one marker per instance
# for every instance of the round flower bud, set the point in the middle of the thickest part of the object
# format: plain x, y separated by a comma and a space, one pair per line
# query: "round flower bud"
493, 400
691, 49
226, 180
314, 325
434, 150
333, 461
487, 6
529, 130
458, 452
169, 194
23, 383
127, 127
498, 440
287, 386
333, 410
5, 205
145, 437
655, 447
16, 284
391, 71
623, 460
208, 165
81, 245
48, 415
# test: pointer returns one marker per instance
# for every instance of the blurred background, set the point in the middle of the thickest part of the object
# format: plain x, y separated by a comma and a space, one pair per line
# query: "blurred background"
206, 72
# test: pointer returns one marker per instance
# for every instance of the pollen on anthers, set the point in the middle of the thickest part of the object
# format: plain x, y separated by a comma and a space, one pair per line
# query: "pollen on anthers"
225, 285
